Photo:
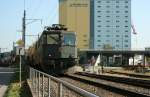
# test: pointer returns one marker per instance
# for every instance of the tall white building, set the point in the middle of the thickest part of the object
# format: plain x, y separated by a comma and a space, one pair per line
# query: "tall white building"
111, 24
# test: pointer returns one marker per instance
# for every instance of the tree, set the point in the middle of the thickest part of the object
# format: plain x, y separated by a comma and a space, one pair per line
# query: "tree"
20, 42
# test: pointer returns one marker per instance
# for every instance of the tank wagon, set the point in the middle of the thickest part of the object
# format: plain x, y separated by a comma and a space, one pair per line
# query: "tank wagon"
55, 51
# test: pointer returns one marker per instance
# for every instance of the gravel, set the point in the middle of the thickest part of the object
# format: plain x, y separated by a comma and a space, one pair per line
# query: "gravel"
90, 88
119, 85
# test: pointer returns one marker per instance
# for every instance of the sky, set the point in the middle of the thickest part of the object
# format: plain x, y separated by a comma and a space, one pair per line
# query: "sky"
11, 13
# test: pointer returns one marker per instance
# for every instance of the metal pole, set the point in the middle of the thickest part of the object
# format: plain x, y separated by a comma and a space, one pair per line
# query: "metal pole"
30, 73
42, 85
60, 90
39, 85
33, 80
144, 60
32, 77
36, 82
49, 87
24, 28
20, 70
133, 60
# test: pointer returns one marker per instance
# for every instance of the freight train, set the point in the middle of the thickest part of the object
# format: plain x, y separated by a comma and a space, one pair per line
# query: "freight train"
55, 51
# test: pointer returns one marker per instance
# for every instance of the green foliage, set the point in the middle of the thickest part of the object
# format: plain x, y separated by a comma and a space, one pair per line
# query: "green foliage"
14, 89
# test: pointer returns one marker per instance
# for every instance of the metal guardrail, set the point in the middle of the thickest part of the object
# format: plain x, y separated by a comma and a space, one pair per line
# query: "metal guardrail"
44, 85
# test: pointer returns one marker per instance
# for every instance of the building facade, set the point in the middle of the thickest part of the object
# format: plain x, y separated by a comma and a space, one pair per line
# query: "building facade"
75, 15
111, 24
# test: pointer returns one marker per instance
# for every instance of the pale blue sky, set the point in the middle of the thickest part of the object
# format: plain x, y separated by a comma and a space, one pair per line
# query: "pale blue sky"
11, 12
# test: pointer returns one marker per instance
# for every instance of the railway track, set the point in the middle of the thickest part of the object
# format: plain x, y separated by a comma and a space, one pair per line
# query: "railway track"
90, 88
130, 74
107, 86
130, 81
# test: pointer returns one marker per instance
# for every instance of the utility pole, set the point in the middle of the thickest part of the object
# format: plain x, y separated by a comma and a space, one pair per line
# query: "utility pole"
24, 43
24, 28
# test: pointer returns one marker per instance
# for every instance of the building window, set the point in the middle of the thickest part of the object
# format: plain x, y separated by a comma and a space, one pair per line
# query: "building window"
117, 6
117, 35
107, 1
99, 35
99, 21
99, 6
126, 36
98, 1
117, 30
126, 6
98, 40
126, 11
98, 16
107, 6
125, 26
126, 16
126, 21
117, 21
117, 40
99, 11
107, 35
84, 35
126, 1
117, 26
108, 26
99, 26
117, 46
107, 21
117, 1
117, 16
107, 11
108, 31
117, 11
126, 45
99, 45
99, 30
107, 40
126, 41
107, 16
85, 45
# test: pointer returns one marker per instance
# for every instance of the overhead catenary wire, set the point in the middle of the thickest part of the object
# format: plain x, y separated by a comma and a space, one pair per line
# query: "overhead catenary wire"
52, 14
36, 9
40, 8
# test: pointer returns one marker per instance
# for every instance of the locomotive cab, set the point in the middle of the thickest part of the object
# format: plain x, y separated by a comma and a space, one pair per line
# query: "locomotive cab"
69, 45
56, 50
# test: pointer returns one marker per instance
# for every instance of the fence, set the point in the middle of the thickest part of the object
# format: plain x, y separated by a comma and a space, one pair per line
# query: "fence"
44, 85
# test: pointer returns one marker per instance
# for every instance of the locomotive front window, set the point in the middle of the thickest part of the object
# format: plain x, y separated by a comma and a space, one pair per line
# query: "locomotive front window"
69, 39
52, 39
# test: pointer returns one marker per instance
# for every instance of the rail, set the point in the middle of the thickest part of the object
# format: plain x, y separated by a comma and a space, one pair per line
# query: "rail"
45, 85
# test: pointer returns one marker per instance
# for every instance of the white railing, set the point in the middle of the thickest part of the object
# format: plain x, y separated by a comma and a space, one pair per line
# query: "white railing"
44, 85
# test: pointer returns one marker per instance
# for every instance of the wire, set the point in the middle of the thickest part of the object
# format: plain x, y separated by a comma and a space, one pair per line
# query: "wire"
36, 9
52, 14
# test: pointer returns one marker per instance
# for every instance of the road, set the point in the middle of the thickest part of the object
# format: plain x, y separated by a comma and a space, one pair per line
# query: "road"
5, 76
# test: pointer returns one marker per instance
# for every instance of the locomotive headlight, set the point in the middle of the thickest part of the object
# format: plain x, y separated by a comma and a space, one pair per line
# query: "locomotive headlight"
49, 55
